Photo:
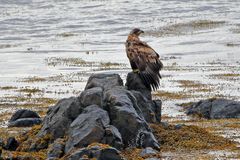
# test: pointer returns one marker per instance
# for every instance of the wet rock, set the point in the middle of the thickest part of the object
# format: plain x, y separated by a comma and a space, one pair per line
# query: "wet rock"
12, 144
216, 108
150, 110
25, 122
1, 142
126, 116
165, 124
88, 127
59, 117
95, 152
147, 151
158, 109
23, 113
91, 96
134, 82
56, 150
105, 81
179, 126
109, 154
113, 137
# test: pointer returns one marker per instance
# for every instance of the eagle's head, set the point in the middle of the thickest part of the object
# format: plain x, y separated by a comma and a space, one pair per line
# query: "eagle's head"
136, 32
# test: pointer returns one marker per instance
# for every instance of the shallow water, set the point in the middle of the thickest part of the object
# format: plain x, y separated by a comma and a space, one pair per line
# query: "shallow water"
196, 33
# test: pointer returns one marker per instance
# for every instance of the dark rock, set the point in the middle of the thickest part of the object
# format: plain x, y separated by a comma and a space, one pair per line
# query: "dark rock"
147, 139
105, 81
113, 137
23, 113
88, 127
165, 124
1, 142
134, 82
95, 152
178, 126
56, 150
110, 154
25, 122
147, 151
59, 117
78, 154
216, 108
126, 116
158, 109
148, 108
12, 144
92, 96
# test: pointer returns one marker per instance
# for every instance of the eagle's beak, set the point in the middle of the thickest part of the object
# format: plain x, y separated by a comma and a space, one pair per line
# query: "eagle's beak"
140, 32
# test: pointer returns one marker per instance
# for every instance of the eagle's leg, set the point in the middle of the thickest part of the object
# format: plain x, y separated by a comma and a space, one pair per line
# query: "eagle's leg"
134, 67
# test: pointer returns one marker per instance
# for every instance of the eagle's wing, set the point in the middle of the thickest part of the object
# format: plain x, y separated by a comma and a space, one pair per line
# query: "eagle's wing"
147, 61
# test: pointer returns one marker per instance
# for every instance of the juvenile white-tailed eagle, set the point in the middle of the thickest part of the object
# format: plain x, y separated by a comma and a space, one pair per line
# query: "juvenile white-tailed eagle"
143, 60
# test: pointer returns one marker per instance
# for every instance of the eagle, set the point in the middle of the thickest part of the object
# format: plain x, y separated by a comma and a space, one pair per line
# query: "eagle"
144, 60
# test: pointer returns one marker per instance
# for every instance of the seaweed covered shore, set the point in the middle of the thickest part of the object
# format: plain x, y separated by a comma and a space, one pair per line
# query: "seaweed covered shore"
108, 121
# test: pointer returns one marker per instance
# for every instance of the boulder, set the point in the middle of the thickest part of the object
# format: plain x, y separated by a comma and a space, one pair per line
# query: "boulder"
25, 122
109, 154
59, 117
12, 144
215, 108
87, 128
126, 116
113, 137
151, 110
134, 82
94, 152
23, 113
56, 150
105, 81
91, 96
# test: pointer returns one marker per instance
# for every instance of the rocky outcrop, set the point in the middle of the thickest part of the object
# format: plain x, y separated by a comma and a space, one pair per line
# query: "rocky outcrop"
87, 128
105, 112
127, 117
60, 117
24, 118
134, 82
105, 81
215, 108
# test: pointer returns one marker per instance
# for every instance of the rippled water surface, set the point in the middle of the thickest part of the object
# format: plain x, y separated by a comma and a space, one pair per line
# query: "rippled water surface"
193, 34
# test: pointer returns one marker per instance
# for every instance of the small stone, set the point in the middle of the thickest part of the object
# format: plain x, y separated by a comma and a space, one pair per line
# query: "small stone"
147, 151
12, 144
1, 142
165, 125
179, 126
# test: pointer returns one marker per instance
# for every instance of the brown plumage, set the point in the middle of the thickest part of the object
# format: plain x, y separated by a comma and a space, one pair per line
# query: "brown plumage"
143, 60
